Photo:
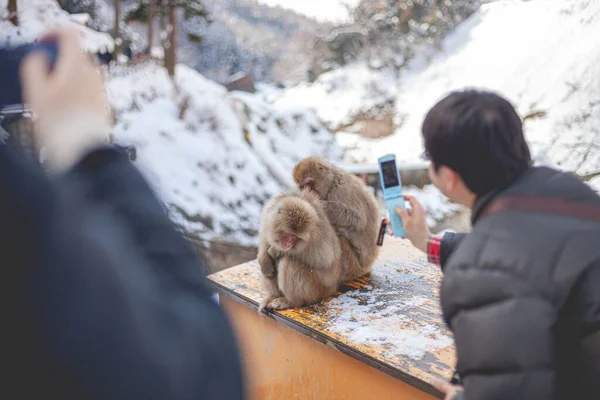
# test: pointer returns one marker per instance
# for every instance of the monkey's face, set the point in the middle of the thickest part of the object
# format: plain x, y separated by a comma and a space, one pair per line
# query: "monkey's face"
293, 225
288, 240
315, 174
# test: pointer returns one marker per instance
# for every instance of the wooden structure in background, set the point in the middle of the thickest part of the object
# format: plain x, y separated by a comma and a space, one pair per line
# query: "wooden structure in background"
242, 82
381, 337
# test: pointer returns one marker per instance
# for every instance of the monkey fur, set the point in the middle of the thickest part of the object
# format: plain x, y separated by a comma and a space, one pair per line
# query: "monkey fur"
351, 209
299, 252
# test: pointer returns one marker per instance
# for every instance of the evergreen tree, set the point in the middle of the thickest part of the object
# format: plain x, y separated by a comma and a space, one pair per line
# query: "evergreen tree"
80, 6
389, 32
193, 12
117, 34
151, 15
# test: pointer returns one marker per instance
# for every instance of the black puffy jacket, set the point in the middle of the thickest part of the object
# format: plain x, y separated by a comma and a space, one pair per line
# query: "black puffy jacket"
521, 293
103, 297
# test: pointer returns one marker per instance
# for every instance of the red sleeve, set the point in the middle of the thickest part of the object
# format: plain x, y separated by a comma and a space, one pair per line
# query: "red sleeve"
433, 250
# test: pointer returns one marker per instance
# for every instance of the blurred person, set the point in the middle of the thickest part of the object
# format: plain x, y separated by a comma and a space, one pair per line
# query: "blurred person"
103, 298
521, 290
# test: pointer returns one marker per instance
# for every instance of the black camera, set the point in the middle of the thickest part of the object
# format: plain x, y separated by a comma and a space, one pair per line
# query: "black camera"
14, 114
11, 101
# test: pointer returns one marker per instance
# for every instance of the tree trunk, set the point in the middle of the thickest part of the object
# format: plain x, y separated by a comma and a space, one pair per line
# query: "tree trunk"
163, 26
150, 26
171, 57
117, 49
12, 12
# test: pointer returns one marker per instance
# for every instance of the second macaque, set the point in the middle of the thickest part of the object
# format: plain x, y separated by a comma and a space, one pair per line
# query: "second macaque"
351, 209
300, 255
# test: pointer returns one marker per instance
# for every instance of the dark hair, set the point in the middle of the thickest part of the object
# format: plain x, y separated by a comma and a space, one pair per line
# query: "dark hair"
479, 135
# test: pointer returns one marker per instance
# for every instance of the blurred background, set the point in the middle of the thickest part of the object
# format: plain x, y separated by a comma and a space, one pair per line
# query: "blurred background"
217, 100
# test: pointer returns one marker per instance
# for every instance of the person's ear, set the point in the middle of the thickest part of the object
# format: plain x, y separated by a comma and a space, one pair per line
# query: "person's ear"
448, 178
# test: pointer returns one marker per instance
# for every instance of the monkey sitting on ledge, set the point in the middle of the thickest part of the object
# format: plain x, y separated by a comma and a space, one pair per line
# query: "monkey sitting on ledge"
351, 209
299, 252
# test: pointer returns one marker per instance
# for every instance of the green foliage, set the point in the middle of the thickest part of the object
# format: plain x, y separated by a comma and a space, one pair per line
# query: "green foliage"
194, 13
80, 6
390, 32
191, 9
195, 38
138, 13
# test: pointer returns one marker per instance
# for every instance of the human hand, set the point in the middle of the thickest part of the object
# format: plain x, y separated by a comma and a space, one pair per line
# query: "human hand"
415, 224
69, 101
450, 391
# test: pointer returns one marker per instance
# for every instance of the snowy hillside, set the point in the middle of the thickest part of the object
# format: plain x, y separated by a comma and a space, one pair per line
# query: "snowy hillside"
541, 54
269, 44
340, 95
37, 16
212, 179
547, 63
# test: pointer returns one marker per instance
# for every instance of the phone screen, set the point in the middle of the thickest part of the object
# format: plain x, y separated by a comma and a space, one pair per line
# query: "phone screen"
390, 174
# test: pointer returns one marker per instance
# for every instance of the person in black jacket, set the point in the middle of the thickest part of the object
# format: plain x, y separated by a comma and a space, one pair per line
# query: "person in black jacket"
103, 297
521, 291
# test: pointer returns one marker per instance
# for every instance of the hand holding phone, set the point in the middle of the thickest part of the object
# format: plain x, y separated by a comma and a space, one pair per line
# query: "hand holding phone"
415, 223
392, 191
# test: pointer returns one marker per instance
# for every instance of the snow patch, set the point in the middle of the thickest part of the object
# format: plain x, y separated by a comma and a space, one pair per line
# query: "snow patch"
338, 96
437, 206
37, 17
595, 184
380, 316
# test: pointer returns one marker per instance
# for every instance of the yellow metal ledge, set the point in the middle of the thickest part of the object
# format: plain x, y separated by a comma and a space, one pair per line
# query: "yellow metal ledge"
380, 337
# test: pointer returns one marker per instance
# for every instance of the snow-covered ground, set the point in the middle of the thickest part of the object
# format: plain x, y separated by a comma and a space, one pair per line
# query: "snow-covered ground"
543, 55
595, 184
340, 95
36, 17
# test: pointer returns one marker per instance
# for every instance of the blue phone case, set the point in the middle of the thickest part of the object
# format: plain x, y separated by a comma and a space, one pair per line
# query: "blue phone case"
393, 197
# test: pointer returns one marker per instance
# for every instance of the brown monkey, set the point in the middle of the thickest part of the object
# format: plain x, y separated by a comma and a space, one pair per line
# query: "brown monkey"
351, 209
299, 252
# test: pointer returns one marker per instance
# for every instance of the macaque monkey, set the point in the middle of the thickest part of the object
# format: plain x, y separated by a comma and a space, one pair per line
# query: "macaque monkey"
299, 252
351, 209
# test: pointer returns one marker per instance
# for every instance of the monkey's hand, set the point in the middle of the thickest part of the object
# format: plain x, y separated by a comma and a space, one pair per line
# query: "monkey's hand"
344, 217
268, 265
274, 253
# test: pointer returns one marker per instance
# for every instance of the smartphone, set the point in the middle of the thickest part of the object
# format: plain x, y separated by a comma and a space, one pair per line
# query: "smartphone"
11, 101
391, 185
